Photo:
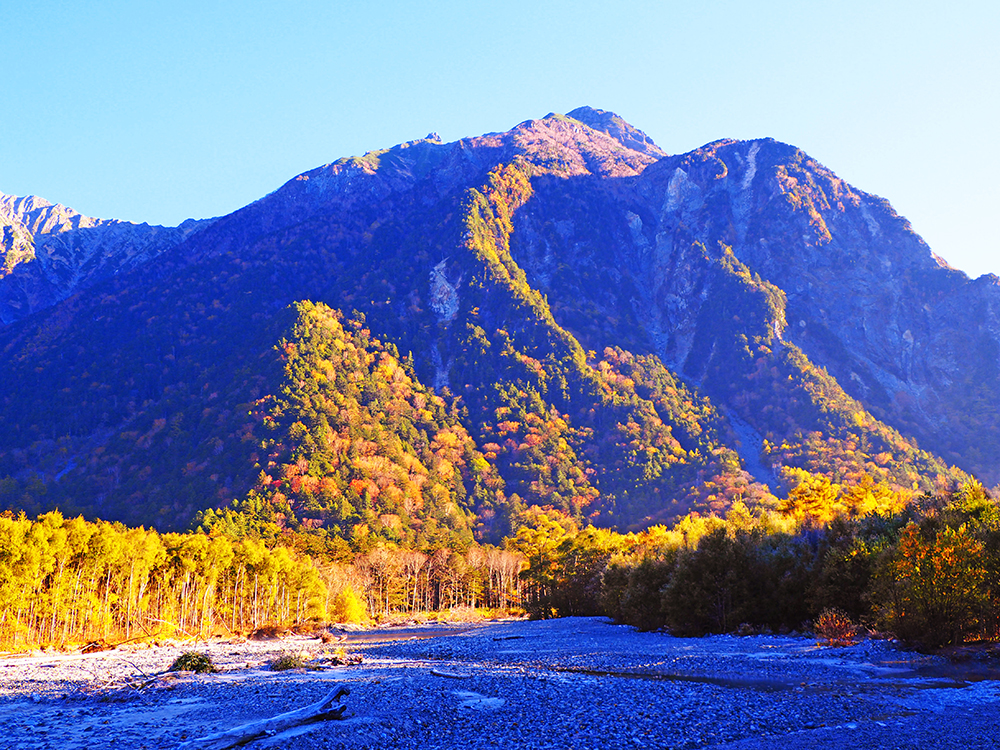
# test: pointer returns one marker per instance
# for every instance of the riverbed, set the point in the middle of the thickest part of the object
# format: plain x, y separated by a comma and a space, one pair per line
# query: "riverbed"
568, 683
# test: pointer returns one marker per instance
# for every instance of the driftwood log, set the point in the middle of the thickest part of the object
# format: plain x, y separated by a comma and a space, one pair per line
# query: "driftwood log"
319, 711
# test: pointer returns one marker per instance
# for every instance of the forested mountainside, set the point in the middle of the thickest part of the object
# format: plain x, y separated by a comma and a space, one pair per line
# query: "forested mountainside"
50, 251
417, 343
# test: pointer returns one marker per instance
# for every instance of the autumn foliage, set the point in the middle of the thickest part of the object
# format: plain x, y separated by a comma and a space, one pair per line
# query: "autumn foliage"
838, 559
69, 581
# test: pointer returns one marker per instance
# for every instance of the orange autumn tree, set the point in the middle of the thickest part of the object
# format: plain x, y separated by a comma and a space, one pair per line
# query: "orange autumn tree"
935, 587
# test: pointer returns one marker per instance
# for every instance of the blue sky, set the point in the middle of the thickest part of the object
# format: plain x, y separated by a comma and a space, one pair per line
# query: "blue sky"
159, 111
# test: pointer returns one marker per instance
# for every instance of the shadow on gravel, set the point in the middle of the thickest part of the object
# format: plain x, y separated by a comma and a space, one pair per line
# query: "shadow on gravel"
388, 635
768, 686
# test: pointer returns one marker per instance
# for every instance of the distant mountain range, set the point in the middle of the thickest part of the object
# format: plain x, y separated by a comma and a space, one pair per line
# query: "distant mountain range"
561, 314
49, 251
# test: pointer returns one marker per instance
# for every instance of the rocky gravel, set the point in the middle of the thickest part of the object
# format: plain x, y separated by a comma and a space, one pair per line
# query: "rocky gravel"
569, 683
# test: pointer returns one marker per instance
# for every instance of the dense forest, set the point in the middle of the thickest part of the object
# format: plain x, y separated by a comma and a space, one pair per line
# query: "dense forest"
70, 581
924, 568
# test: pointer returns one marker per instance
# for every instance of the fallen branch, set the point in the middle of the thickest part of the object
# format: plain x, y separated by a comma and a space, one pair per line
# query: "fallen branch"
319, 711
134, 638
177, 627
452, 675
136, 667
160, 677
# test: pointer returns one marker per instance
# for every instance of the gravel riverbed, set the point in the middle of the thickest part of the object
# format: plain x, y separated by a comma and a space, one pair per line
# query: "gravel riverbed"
569, 683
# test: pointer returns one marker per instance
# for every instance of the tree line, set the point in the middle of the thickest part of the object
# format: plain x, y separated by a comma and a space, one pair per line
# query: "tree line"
925, 569
73, 581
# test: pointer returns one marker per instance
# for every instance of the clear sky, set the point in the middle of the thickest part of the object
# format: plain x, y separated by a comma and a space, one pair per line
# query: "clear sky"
157, 111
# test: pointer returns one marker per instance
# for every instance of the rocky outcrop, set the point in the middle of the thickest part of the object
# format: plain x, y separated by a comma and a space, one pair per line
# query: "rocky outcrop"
915, 340
608, 122
50, 251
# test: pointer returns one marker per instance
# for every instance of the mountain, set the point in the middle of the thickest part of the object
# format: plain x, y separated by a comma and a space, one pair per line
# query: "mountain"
914, 340
561, 315
50, 251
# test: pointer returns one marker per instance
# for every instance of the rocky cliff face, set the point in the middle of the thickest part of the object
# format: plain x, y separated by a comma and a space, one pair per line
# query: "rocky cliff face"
911, 338
50, 251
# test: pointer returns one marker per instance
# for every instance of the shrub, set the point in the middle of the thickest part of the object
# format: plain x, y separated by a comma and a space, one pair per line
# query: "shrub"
193, 661
286, 662
347, 607
835, 628
340, 658
712, 589
614, 586
640, 604
932, 591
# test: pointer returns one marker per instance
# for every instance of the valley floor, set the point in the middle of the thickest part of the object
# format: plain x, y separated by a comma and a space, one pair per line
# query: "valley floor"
570, 683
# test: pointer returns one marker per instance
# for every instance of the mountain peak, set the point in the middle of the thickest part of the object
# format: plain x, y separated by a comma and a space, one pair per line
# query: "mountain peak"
615, 126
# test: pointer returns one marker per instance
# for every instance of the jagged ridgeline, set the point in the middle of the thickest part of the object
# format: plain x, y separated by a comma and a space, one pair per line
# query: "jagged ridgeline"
48, 252
415, 344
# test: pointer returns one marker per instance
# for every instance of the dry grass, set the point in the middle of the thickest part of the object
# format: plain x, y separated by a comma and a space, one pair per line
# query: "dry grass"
287, 662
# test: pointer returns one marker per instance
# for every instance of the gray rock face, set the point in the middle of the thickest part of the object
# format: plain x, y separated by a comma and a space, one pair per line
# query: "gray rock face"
610, 123
50, 251
916, 341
